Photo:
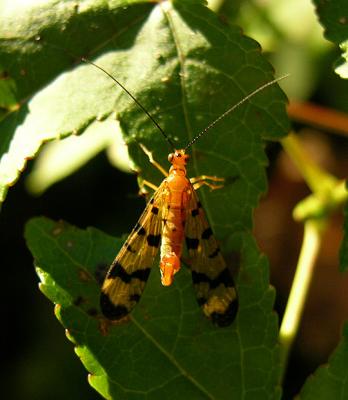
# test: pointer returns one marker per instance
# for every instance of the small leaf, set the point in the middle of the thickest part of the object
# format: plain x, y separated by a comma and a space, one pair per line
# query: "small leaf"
333, 16
167, 347
331, 381
61, 158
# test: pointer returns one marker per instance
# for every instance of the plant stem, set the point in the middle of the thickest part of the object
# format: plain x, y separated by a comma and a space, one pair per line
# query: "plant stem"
314, 211
316, 178
321, 204
328, 192
313, 114
299, 290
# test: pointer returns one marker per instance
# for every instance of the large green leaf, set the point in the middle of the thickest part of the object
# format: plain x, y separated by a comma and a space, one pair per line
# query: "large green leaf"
39, 41
333, 16
167, 349
331, 381
178, 59
186, 67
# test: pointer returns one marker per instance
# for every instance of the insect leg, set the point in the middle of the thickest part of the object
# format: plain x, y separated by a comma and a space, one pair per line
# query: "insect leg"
197, 185
144, 182
205, 178
152, 160
199, 181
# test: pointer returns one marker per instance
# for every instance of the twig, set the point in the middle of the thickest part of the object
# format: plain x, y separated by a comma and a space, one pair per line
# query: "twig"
299, 290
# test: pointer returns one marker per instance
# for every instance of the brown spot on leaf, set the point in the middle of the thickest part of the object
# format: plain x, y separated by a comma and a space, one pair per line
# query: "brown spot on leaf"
84, 276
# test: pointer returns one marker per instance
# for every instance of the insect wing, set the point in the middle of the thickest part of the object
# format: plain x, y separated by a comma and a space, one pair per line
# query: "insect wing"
212, 280
128, 274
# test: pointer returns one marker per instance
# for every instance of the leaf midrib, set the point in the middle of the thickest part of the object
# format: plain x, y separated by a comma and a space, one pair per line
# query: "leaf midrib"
180, 368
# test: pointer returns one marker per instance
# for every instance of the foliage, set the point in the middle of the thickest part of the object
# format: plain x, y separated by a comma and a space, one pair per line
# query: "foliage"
186, 66
167, 349
330, 381
334, 17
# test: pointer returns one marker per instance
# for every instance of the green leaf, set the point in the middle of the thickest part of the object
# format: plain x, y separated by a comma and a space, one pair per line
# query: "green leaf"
39, 42
183, 64
330, 381
167, 349
186, 67
344, 245
333, 16
61, 158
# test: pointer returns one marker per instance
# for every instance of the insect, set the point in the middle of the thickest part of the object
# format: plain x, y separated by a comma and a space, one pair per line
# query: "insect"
173, 215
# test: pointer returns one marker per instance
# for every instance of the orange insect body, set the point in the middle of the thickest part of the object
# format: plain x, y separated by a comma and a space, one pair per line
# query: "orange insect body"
173, 215
177, 196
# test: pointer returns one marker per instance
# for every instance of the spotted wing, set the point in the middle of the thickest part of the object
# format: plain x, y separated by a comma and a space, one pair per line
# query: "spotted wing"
212, 280
127, 276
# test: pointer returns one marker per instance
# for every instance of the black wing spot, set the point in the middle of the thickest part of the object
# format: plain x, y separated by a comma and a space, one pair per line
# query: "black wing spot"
195, 212
199, 277
154, 210
121, 273
224, 278
117, 271
110, 310
207, 233
140, 229
134, 297
100, 272
141, 274
192, 243
225, 319
214, 253
113, 271
153, 240
129, 248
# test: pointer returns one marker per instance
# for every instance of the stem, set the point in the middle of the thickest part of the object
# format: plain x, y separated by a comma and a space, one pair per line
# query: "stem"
328, 192
323, 117
316, 178
320, 205
299, 290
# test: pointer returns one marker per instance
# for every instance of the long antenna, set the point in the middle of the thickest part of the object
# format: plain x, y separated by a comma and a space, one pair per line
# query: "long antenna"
247, 97
130, 95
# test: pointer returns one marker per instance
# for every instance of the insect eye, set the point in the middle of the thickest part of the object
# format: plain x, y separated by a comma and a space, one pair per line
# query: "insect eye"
178, 154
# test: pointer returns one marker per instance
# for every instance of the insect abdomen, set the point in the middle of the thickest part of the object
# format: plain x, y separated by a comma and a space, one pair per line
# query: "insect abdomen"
172, 241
